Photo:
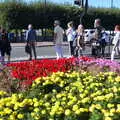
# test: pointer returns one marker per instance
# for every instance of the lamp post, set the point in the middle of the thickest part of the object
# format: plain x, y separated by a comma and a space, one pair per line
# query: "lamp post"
85, 8
83, 4
111, 3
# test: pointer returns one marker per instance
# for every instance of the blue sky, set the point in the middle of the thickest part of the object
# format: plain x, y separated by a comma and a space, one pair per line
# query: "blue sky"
95, 3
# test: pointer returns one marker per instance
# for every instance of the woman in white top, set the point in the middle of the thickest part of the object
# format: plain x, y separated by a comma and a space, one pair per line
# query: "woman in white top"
116, 42
70, 32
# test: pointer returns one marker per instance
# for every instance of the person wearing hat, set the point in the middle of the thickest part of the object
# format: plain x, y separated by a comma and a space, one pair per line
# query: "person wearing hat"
58, 38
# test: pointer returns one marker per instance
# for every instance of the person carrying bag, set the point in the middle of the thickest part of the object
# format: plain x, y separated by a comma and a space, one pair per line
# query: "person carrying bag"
31, 42
27, 48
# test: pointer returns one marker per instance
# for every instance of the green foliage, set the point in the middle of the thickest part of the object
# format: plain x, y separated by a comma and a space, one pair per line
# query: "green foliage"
15, 14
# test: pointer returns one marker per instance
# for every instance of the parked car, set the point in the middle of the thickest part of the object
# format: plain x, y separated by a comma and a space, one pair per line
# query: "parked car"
89, 35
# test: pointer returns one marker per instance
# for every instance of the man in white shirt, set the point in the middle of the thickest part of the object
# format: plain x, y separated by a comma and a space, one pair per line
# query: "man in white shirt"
58, 39
116, 43
71, 33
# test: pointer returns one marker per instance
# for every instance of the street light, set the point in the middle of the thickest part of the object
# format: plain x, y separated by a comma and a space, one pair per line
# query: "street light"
111, 3
82, 5
79, 2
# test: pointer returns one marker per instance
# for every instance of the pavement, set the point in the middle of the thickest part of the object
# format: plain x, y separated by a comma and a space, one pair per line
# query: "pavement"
45, 44
39, 44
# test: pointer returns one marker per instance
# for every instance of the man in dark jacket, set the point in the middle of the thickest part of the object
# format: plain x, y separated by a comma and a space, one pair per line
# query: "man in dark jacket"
31, 41
96, 51
5, 47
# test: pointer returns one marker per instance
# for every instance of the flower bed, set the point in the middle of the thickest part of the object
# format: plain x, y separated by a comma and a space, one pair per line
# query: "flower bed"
26, 72
97, 65
71, 89
66, 96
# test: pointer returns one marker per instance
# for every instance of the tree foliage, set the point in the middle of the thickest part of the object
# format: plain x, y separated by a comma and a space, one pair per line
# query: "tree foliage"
15, 14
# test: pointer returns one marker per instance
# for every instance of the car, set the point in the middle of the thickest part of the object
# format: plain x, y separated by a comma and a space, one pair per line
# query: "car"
89, 35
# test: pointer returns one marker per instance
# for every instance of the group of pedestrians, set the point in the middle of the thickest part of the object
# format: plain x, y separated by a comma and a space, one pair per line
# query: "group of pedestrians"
75, 38
5, 45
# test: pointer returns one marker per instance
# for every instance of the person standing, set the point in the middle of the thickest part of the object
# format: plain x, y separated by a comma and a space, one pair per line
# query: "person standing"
70, 33
5, 46
116, 42
103, 43
31, 41
80, 40
96, 48
58, 38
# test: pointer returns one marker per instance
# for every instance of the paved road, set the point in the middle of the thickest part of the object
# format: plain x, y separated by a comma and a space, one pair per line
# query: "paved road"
44, 50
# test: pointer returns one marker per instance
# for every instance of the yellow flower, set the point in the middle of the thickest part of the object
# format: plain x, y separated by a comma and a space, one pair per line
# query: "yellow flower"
37, 117
110, 105
12, 117
43, 112
8, 104
37, 81
20, 116
106, 113
20, 96
118, 110
2, 93
52, 113
75, 107
77, 112
35, 99
7, 110
112, 110
67, 112
58, 96
117, 79
98, 106
36, 110
33, 85
51, 118
60, 109
47, 104
91, 108
16, 106
108, 118
2, 113
85, 100
33, 114
36, 104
